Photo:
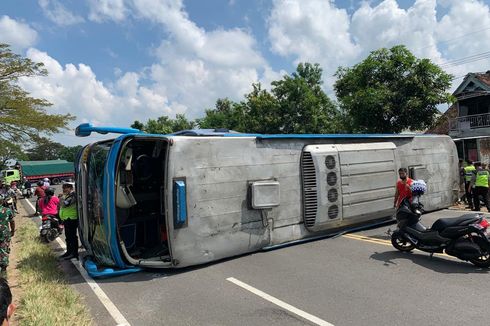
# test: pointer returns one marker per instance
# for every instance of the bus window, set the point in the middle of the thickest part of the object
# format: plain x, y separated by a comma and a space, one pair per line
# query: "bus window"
95, 177
10, 173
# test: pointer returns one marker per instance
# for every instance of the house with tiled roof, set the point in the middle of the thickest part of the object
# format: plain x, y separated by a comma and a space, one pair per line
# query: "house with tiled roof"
470, 127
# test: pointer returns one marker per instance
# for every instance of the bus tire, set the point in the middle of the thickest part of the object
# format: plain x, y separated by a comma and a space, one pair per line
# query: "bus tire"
56, 181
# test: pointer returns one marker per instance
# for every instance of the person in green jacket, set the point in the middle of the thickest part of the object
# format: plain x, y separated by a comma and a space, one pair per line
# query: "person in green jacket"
469, 172
69, 217
480, 181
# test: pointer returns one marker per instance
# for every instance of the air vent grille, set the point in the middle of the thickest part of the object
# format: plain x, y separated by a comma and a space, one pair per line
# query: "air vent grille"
310, 201
332, 179
333, 211
333, 195
330, 162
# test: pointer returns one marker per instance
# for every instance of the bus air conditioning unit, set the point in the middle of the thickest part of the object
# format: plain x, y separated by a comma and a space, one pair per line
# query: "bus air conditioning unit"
321, 178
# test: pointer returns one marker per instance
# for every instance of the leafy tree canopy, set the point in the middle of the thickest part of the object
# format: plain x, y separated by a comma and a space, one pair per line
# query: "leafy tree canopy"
10, 151
295, 104
164, 125
391, 91
45, 149
23, 117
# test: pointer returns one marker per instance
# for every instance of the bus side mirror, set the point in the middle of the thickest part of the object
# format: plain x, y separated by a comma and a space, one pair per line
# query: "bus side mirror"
84, 130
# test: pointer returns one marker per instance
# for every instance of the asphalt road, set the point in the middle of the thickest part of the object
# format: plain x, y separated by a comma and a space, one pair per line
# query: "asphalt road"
355, 279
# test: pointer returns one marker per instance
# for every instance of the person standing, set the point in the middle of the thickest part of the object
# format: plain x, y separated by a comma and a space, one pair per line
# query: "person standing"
402, 187
39, 192
469, 172
480, 181
69, 217
7, 231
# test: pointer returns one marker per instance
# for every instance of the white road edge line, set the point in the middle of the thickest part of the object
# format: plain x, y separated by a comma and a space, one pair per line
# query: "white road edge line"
280, 303
103, 298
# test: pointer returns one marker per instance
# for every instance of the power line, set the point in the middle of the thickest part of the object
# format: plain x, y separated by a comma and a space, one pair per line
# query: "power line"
465, 60
458, 37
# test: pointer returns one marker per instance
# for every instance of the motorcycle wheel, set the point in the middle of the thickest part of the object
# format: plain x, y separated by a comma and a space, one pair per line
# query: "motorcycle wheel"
44, 238
400, 243
484, 260
52, 234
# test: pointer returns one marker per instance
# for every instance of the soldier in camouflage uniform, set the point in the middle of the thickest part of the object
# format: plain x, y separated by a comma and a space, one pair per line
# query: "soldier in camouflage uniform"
7, 230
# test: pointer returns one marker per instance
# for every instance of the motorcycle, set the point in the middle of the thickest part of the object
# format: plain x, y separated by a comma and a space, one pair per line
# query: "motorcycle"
50, 228
465, 237
26, 192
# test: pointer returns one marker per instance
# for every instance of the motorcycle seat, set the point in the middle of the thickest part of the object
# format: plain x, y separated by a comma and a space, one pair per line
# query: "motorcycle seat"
443, 223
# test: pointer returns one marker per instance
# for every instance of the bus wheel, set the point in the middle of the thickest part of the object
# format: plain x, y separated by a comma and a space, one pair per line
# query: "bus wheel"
56, 181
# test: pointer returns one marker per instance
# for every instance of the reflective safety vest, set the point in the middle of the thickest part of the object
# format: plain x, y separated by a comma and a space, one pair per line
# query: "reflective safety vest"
482, 178
468, 172
69, 212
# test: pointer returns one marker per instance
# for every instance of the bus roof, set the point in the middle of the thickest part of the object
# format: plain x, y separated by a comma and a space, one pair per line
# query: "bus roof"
85, 129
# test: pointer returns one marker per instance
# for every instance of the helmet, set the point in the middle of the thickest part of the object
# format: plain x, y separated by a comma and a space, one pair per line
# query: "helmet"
46, 180
418, 187
49, 191
68, 185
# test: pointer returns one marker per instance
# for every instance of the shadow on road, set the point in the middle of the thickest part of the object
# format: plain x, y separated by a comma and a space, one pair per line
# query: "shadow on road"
437, 264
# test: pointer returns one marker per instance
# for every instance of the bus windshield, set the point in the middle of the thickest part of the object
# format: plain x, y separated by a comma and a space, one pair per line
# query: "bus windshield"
95, 211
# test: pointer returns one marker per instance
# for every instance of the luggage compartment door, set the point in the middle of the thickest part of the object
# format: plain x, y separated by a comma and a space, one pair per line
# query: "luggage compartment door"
368, 180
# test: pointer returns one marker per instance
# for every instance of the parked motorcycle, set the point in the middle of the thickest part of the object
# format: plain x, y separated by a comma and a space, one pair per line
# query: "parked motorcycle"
26, 192
50, 228
464, 237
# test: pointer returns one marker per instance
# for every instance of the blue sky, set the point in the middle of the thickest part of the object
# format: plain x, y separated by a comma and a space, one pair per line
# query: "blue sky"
114, 61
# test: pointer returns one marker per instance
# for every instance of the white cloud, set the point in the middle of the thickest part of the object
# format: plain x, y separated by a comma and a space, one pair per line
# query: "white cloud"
387, 25
75, 89
101, 10
313, 31
194, 67
318, 31
18, 34
58, 14
464, 31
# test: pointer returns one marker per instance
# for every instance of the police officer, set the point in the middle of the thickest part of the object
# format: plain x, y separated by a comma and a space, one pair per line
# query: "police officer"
480, 180
69, 217
469, 172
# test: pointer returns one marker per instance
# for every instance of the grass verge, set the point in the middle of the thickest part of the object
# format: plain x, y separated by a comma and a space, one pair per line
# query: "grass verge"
46, 297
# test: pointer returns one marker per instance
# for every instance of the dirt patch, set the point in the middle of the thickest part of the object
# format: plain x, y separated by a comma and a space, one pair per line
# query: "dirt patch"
13, 272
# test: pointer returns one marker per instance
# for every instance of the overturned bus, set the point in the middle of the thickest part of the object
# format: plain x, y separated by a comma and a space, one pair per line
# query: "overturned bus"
171, 201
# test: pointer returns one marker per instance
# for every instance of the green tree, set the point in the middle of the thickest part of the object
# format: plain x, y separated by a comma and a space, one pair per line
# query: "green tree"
164, 125
70, 153
303, 107
10, 151
45, 149
391, 91
295, 104
226, 114
23, 117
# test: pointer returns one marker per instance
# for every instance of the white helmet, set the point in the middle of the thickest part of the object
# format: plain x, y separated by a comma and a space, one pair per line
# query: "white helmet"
46, 180
419, 187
